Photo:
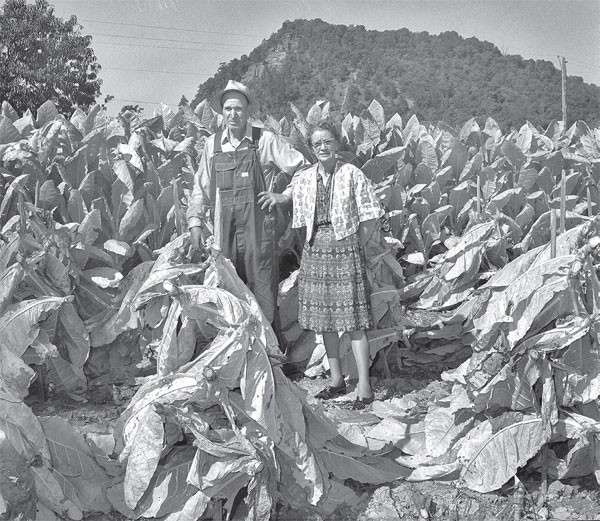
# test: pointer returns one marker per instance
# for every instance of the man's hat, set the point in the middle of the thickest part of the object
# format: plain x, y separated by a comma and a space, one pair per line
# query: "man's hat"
216, 102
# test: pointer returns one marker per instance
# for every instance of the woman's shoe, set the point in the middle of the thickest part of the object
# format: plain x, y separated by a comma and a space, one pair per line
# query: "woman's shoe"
331, 392
361, 403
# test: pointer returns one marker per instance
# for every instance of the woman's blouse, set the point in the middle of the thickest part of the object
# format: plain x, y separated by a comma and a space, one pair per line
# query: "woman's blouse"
352, 199
323, 196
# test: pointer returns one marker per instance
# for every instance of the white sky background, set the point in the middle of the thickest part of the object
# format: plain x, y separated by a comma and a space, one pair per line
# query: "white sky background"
190, 38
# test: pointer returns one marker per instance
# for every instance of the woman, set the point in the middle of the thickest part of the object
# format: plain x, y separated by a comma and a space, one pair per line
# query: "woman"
338, 206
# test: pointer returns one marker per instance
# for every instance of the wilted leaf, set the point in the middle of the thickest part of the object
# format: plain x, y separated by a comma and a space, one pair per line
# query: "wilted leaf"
446, 421
491, 459
144, 451
364, 470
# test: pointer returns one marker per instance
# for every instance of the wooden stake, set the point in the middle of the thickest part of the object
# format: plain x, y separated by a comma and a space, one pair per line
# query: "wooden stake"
479, 196
563, 201
552, 232
544, 485
218, 513
563, 69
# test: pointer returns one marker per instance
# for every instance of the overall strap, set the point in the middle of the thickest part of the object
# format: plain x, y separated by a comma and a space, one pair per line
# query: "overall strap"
218, 138
261, 185
256, 133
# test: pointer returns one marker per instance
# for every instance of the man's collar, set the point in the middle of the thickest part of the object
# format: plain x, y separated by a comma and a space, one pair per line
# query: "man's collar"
247, 135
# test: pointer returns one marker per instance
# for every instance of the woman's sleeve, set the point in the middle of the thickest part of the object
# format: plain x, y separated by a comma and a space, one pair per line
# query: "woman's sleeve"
368, 204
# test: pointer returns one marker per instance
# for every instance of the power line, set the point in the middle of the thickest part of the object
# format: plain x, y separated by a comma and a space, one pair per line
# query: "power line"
151, 70
164, 47
146, 102
168, 40
169, 28
584, 64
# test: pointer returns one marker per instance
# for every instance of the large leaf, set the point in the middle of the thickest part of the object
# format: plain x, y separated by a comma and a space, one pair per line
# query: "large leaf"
46, 113
20, 324
65, 376
365, 470
131, 218
169, 489
73, 335
446, 421
70, 453
192, 509
144, 451
376, 168
23, 429
10, 278
492, 456
168, 352
8, 132
408, 436
15, 376
258, 389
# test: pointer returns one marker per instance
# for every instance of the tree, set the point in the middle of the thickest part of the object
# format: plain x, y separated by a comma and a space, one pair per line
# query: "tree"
136, 109
44, 57
183, 102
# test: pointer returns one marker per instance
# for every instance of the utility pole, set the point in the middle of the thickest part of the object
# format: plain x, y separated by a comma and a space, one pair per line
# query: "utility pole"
563, 69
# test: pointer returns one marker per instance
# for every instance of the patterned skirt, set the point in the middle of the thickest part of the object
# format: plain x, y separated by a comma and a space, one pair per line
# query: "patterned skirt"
333, 290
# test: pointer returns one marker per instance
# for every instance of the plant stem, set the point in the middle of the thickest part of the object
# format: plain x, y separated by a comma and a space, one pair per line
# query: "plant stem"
563, 201
552, 233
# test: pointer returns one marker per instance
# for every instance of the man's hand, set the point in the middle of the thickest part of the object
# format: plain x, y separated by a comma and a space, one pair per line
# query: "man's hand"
269, 200
196, 239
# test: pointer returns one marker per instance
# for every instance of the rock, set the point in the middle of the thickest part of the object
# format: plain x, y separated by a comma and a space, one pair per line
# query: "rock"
381, 507
558, 489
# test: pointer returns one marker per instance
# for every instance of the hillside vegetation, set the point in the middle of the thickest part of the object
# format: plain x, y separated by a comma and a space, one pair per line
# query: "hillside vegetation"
435, 77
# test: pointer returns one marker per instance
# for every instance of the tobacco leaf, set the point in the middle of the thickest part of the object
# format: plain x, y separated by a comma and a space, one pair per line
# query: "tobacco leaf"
168, 489
446, 421
19, 325
15, 376
365, 470
65, 375
494, 453
70, 453
143, 453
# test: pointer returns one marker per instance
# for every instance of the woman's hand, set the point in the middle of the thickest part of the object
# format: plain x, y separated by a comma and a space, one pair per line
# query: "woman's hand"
365, 231
269, 200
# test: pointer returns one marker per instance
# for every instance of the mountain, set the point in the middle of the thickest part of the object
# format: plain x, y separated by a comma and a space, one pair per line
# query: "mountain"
437, 77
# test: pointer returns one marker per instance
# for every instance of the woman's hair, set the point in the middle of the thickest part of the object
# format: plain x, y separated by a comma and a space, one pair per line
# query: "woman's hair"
326, 126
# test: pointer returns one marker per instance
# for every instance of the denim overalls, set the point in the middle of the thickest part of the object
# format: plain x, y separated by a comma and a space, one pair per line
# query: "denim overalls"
247, 232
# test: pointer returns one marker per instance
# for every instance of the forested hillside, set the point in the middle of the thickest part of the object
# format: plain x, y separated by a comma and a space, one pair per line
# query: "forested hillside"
437, 77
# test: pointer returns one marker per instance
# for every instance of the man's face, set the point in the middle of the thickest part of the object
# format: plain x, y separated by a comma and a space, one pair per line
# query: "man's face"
235, 111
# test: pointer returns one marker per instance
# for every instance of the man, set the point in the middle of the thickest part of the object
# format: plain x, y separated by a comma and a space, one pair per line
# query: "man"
241, 162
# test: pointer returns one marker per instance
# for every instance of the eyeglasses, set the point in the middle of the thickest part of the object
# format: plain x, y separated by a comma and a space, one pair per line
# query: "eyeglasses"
328, 143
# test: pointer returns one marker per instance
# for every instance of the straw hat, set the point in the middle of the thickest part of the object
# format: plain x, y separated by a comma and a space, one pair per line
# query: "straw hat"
216, 102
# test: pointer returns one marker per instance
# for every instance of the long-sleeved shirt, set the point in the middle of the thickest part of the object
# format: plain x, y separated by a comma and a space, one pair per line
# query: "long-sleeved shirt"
275, 156
353, 200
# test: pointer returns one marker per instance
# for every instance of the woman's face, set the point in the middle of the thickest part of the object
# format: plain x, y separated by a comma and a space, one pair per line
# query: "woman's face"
324, 145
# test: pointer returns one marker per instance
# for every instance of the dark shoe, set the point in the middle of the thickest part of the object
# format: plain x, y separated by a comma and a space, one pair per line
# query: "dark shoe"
361, 403
331, 392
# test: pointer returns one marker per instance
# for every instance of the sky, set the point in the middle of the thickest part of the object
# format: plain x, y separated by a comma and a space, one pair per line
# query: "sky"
155, 51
